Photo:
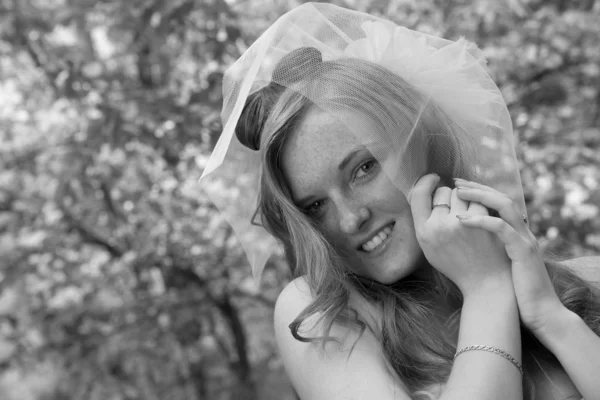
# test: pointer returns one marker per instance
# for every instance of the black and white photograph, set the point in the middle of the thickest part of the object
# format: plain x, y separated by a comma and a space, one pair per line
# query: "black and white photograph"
291, 200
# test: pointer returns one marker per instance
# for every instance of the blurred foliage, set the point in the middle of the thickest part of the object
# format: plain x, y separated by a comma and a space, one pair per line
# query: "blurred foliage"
118, 278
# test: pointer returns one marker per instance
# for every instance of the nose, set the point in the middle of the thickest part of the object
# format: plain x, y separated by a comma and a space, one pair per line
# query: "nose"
352, 218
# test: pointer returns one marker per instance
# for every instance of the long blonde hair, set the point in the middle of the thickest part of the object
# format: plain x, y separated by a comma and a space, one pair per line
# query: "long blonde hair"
410, 321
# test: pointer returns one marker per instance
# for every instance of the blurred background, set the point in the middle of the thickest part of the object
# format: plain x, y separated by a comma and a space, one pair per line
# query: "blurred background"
118, 278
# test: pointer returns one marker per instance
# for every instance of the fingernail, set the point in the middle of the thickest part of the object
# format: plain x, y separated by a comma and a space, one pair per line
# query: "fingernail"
463, 217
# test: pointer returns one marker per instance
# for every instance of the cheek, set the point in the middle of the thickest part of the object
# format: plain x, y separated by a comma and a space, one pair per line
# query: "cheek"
389, 197
329, 227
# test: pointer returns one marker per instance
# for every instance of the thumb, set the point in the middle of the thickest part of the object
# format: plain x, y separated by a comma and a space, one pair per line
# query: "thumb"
420, 196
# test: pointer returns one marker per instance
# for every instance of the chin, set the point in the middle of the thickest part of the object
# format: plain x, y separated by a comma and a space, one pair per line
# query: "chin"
390, 277
393, 271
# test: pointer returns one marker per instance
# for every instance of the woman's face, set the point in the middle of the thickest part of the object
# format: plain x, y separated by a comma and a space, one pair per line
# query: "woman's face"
339, 185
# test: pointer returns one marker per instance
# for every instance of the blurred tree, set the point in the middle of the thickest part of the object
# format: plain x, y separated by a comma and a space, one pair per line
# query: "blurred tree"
118, 278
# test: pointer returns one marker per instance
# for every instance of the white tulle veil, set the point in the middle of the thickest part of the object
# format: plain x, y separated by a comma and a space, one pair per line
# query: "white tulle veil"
450, 82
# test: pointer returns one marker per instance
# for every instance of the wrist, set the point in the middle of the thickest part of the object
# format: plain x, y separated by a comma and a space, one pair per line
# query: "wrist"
500, 288
555, 328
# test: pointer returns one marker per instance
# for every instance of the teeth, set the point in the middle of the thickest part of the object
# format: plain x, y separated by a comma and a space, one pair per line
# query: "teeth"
377, 240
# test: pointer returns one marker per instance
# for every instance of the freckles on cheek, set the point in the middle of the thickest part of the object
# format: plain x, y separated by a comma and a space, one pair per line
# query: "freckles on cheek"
338, 241
333, 239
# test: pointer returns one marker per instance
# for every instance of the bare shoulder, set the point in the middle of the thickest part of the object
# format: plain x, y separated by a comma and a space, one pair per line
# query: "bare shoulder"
337, 373
587, 268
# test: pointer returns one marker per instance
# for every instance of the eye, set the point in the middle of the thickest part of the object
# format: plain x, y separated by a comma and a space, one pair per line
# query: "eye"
365, 169
315, 208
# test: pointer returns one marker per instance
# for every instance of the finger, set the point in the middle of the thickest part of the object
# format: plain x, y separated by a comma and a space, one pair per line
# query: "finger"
458, 205
442, 196
461, 183
496, 201
419, 198
470, 184
476, 208
509, 236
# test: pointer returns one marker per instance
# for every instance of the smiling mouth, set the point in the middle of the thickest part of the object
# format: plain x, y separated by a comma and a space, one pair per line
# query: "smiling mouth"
378, 240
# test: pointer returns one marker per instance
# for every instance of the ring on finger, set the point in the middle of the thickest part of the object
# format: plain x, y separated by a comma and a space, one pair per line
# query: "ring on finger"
442, 197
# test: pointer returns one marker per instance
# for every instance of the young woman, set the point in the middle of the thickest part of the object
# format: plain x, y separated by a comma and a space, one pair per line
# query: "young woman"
408, 283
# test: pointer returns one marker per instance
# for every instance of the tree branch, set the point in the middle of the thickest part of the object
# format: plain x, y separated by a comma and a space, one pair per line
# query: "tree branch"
87, 233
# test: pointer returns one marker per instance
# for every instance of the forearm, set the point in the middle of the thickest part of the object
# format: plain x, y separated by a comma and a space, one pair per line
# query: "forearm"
577, 348
489, 317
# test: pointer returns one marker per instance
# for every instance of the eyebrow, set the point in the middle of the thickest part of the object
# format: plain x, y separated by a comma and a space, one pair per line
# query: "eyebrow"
301, 202
349, 157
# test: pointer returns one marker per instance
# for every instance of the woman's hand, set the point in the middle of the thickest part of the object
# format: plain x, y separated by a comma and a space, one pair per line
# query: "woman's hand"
474, 260
536, 297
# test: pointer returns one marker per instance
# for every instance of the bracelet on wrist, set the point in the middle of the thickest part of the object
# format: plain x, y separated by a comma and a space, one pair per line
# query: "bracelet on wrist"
502, 353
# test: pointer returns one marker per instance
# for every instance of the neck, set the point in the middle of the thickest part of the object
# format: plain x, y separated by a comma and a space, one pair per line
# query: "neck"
425, 272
